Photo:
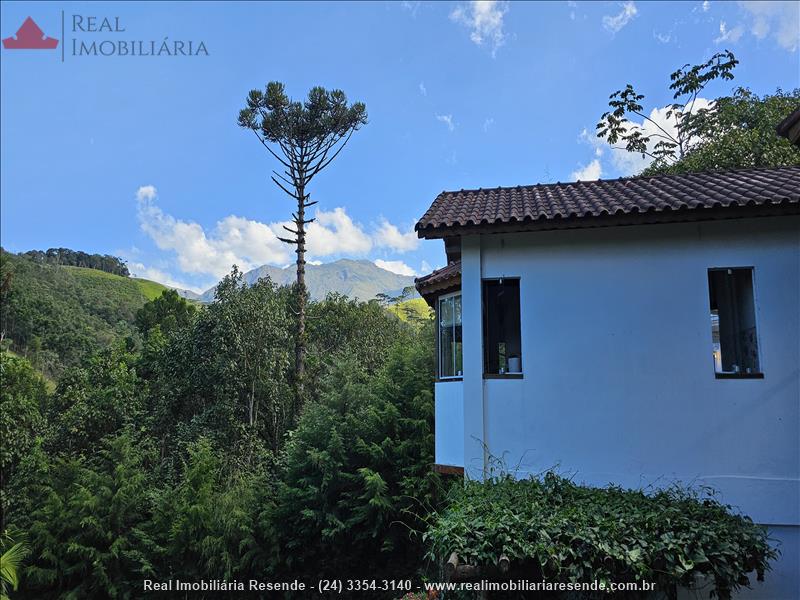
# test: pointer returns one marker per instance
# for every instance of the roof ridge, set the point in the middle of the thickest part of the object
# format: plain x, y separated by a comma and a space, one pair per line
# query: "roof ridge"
626, 179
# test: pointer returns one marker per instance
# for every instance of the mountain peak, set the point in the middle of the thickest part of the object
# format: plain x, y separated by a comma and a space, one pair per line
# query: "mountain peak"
355, 278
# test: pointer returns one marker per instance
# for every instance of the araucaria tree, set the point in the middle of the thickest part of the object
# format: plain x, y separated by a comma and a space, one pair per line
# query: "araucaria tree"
304, 137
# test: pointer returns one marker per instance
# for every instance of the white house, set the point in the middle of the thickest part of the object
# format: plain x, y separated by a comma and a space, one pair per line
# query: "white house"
635, 331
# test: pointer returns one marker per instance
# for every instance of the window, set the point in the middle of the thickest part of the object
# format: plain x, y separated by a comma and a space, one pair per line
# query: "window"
733, 322
449, 314
502, 348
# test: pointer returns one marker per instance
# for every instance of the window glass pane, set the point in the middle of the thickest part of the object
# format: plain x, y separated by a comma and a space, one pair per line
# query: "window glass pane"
446, 337
733, 321
502, 345
450, 361
458, 368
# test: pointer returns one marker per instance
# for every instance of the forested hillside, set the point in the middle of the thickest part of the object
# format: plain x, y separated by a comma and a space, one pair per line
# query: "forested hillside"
187, 455
57, 315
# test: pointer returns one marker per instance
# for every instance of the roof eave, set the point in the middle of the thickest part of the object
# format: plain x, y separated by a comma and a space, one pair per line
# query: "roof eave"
682, 215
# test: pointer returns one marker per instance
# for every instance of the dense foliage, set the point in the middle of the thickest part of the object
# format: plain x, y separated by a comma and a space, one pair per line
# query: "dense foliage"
21, 404
77, 258
554, 530
56, 316
739, 133
181, 451
359, 468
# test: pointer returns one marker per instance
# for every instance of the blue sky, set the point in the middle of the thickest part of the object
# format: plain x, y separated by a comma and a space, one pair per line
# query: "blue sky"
140, 156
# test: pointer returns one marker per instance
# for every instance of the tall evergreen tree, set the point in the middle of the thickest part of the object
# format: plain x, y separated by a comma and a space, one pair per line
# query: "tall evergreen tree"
304, 137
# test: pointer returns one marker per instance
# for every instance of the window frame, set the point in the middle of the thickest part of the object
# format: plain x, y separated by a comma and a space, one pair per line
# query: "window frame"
741, 375
506, 375
439, 376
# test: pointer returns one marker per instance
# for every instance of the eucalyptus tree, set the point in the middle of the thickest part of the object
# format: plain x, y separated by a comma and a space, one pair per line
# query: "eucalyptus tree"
304, 137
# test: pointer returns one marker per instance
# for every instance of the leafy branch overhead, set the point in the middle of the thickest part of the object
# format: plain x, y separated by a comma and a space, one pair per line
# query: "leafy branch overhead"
664, 146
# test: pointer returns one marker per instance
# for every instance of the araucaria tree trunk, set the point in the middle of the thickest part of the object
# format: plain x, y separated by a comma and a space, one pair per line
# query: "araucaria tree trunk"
302, 299
304, 137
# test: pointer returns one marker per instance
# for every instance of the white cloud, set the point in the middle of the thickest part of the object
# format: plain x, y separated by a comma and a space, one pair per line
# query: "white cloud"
411, 7
234, 240
334, 232
488, 124
781, 19
663, 38
389, 236
422, 89
425, 267
484, 18
630, 163
249, 244
728, 35
590, 172
617, 22
395, 266
146, 192
597, 144
706, 5
572, 6
447, 120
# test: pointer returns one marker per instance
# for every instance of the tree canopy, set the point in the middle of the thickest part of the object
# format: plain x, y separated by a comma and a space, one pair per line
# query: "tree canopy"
733, 131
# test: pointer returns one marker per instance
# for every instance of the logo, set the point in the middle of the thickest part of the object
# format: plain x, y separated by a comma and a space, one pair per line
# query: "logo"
30, 37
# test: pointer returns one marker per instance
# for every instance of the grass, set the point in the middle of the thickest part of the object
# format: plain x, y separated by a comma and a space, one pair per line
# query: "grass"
414, 308
149, 289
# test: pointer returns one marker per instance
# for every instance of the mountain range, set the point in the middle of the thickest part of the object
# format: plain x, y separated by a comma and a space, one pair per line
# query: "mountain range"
360, 279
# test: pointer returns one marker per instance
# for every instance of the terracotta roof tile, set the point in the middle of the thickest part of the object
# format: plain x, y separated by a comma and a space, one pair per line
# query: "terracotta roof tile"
592, 199
441, 279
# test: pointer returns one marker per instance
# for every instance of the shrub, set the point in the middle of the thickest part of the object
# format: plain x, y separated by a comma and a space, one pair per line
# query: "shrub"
357, 471
23, 396
208, 521
554, 530
90, 529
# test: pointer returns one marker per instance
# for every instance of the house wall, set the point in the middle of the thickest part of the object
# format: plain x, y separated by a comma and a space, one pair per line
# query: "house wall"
619, 382
449, 419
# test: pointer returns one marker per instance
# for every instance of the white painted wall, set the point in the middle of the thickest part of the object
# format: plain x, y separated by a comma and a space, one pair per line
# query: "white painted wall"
449, 419
619, 381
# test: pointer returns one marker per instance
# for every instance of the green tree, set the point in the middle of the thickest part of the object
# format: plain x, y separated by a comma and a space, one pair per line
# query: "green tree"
95, 400
664, 146
21, 421
210, 518
306, 137
734, 132
90, 528
738, 133
169, 312
357, 470
227, 374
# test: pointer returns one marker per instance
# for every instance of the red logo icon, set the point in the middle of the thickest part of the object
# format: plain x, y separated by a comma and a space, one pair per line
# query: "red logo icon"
30, 37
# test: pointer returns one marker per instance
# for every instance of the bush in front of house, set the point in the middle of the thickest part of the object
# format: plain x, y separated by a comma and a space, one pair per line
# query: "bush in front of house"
551, 529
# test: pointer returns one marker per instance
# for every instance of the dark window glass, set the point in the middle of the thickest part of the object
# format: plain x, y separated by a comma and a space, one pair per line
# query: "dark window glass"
502, 347
733, 321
